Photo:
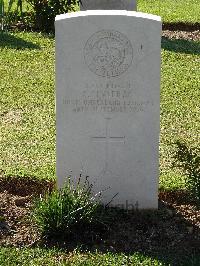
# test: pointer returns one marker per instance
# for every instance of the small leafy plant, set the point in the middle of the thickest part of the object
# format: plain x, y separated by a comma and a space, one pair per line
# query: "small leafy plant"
45, 12
188, 159
37, 14
68, 211
9, 14
2, 14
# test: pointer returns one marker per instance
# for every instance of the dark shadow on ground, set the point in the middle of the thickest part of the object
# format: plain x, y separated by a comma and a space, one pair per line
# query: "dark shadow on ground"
181, 46
165, 234
181, 26
170, 234
10, 41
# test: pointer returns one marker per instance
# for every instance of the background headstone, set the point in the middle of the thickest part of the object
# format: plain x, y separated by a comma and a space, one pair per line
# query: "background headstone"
108, 5
108, 102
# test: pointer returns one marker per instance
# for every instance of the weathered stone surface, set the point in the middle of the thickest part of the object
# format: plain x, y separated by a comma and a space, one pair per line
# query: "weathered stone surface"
108, 102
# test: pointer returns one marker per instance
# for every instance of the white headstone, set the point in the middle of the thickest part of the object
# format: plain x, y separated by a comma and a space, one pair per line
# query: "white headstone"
108, 102
108, 5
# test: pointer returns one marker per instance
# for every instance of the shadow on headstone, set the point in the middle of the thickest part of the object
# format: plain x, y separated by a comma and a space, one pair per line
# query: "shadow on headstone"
11, 41
181, 46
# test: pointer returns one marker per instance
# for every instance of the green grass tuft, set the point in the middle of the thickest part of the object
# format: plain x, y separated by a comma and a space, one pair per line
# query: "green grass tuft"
68, 212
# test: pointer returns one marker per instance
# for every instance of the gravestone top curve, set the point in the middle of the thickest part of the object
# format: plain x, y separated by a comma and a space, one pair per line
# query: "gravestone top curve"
108, 13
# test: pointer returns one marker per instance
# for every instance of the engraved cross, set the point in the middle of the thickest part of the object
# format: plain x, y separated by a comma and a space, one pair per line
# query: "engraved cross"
107, 139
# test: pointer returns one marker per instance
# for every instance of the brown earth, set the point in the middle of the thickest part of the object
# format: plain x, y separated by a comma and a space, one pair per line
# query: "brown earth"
174, 227
16, 196
183, 34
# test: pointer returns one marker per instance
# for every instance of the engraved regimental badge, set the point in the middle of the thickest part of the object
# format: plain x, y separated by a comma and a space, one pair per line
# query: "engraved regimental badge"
108, 53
